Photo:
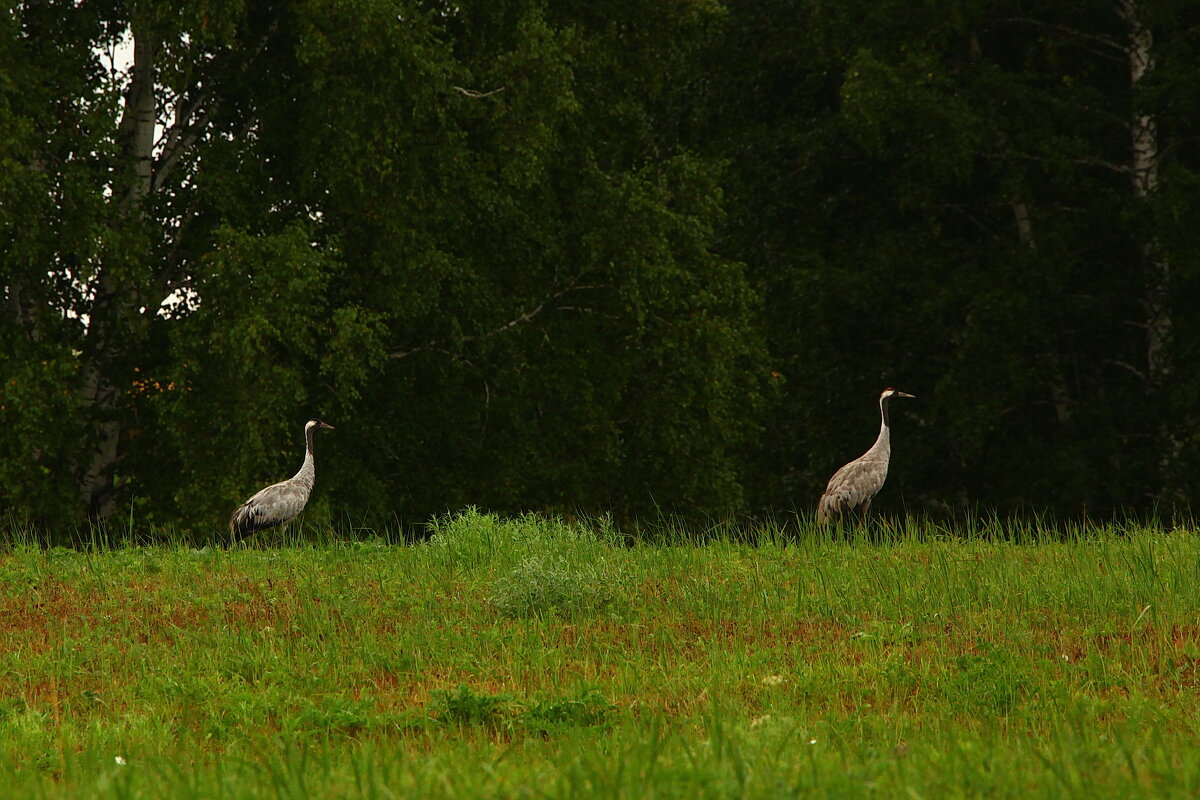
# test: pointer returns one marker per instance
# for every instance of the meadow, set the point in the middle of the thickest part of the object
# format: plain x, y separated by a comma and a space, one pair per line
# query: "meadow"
534, 657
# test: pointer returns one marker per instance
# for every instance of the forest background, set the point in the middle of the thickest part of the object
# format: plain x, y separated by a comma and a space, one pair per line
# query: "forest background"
631, 257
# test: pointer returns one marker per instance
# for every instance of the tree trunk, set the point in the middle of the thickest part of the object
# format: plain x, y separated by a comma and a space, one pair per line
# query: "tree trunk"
115, 300
1155, 262
1144, 170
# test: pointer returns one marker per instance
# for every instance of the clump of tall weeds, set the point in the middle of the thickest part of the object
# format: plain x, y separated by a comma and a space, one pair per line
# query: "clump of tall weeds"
470, 537
550, 583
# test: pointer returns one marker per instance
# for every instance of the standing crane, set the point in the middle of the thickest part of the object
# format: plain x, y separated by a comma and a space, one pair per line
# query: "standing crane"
853, 486
280, 502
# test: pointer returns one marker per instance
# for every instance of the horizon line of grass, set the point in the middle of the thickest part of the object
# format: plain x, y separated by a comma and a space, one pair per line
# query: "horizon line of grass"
666, 529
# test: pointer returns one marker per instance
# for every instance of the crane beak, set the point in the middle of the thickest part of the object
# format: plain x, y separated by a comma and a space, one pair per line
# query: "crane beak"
327, 425
906, 394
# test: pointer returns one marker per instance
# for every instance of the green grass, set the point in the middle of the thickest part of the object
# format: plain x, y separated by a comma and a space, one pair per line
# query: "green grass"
532, 658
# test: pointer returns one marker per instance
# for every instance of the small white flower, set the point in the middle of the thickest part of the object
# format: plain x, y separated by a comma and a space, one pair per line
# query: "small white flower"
1066, 657
120, 761
812, 741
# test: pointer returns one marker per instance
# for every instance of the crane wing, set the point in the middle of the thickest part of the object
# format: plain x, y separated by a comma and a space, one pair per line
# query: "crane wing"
272, 506
851, 486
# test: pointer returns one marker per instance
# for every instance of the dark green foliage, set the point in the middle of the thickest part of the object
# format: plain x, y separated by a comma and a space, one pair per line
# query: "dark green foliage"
940, 198
637, 257
457, 235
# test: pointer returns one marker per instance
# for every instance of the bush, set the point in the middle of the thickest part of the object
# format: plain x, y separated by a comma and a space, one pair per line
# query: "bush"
542, 584
589, 708
465, 707
472, 538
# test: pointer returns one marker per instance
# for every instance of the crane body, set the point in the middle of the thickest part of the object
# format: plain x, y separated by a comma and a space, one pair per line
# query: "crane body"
852, 487
281, 502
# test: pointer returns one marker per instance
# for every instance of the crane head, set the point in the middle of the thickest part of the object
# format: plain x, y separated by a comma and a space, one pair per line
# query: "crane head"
316, 423
889, 393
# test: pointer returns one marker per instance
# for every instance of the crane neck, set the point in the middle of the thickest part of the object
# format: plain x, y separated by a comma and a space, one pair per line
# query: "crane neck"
308, 470
884, 441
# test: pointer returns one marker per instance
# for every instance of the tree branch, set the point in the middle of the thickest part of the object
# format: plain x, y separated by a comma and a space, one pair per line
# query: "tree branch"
183, 132
476, 95
1120, 169
441, 345
1112, 44
1126, 366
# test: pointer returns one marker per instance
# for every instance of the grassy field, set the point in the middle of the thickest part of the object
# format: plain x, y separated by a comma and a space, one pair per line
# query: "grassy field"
530, 658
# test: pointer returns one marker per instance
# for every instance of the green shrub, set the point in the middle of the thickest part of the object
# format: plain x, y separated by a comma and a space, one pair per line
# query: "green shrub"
470, 538
465, 707
334, 715
590, 709
542, 584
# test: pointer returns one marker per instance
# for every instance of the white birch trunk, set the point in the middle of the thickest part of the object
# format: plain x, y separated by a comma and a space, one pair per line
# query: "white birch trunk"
1144, 170
113, 301
1144, 167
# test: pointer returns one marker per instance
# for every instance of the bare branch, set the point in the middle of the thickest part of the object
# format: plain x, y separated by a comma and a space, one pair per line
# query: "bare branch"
191, 120
1075, 33
1120, 169
1126, 366
476, 95
182, 142
521, 319
174, 136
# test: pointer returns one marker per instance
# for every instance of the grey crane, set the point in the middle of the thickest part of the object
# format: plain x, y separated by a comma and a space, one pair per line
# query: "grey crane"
280, 502
853, 486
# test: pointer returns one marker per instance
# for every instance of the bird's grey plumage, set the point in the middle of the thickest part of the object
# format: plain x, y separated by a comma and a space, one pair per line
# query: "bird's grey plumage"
853, 486
281, 502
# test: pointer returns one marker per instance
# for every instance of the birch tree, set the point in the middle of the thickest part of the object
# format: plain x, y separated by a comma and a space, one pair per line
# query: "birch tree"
120, 262
1144, 173
460, 227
